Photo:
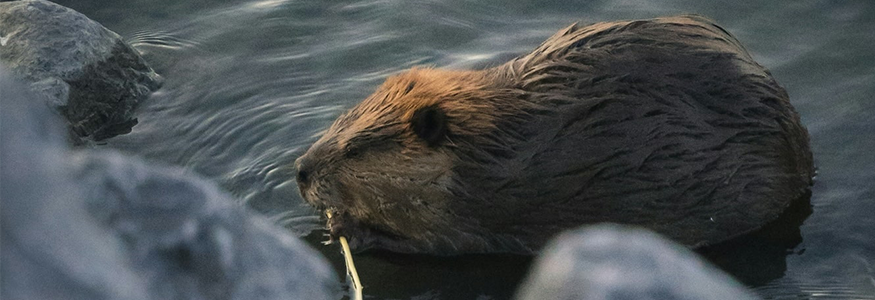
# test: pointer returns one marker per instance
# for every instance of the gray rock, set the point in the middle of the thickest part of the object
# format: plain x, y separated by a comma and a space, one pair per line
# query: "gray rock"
51, 247
619, 263
86, 71
100, 225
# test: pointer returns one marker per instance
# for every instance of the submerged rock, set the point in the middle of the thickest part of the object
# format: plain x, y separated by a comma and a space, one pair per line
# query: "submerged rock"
84, 70
100, 225
612, 262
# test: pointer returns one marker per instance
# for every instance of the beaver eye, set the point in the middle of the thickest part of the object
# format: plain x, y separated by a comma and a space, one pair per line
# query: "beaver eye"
429, 124
352, 153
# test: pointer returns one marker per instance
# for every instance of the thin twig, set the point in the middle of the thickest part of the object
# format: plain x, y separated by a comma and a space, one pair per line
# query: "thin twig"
350, 268
350, 265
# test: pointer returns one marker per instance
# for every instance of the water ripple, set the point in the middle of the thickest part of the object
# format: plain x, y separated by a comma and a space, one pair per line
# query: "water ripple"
145, 39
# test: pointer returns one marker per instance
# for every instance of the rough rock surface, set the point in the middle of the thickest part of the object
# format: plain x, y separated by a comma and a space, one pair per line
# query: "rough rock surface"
86, 71
100, 225
611, 262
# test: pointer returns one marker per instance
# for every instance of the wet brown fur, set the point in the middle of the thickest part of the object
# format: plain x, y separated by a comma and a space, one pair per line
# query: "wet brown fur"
665, 123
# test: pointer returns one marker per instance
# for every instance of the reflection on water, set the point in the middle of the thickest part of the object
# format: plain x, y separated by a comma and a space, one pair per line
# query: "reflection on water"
251, 83
759, 257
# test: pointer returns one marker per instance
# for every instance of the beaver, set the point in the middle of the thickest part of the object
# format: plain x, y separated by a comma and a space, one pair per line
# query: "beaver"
664, 123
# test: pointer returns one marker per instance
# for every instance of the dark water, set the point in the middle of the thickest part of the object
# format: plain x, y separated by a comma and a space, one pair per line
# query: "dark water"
250, 85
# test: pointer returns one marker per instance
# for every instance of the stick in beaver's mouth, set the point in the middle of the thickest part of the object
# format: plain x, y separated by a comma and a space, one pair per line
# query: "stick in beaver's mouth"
347, 256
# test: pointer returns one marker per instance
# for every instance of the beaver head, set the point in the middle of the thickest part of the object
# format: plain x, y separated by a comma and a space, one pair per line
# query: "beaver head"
396, 169
665, 123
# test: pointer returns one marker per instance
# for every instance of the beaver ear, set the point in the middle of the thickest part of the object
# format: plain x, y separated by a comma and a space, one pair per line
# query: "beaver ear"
430, 124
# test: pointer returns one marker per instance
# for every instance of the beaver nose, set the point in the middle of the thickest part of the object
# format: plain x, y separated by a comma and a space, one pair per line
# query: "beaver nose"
305, 169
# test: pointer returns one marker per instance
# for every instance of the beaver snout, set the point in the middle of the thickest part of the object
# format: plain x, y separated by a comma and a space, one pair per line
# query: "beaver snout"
306, 177
316, 187
305, 169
